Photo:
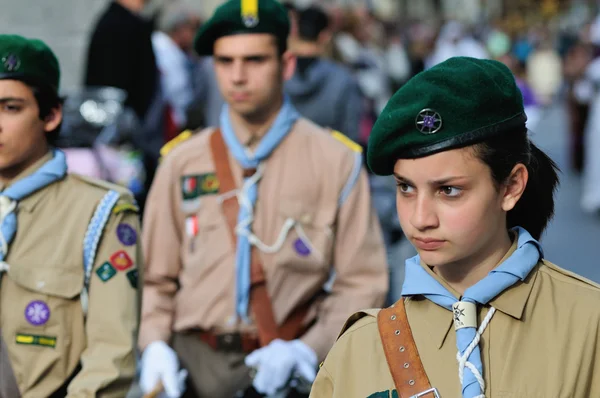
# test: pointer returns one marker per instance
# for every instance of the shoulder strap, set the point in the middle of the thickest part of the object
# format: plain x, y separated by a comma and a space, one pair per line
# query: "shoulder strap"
260, 303
401, 352
92, 239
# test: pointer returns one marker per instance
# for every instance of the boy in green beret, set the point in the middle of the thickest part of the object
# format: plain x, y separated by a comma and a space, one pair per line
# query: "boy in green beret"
246, 224
483, 313
68, 248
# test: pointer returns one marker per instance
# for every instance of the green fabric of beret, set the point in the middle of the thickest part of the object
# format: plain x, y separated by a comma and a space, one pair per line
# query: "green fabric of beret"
454, 104
242, 16
30, 60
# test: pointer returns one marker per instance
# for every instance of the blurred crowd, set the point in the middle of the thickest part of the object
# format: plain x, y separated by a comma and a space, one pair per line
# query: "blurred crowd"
144, 85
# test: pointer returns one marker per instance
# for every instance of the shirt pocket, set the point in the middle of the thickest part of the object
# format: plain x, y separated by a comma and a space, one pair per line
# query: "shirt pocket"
308, 244
207, 238
42, 320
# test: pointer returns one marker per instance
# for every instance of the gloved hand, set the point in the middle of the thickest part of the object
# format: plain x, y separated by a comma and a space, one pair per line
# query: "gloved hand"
276, 362
160, 365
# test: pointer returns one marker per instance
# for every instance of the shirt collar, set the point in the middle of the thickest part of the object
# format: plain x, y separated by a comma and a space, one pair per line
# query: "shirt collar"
29, 203
511, 302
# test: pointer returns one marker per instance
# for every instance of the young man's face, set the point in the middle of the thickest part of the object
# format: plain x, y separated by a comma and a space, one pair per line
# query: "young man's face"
22, 133
250, 72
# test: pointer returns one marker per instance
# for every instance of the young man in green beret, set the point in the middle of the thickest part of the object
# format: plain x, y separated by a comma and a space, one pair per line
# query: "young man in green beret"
245, 224
68, 249
483, 313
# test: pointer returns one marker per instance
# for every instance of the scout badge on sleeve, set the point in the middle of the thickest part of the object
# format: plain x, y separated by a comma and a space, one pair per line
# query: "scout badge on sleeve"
126, 234
106, 271
121, 260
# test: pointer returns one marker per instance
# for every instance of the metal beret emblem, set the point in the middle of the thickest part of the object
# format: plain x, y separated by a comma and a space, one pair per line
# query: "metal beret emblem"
250, 21
11, 62
428, 121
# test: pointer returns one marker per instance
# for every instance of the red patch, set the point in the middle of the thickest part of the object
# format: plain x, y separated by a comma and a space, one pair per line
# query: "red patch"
121, 260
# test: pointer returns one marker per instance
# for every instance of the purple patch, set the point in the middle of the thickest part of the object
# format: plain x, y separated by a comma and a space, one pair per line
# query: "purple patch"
126, 234
301, 248
37, 313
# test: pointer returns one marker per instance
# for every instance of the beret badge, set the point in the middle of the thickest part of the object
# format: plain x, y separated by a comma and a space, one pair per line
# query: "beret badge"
11, 62
428, 121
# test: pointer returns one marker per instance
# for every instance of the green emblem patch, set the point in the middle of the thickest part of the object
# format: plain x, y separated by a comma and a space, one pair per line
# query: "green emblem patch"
106, 271
193, 186
133, 278
32, 339
384, 394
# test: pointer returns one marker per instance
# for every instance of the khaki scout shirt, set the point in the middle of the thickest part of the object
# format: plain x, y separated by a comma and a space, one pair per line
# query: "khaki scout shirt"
41, 314
190, 277
542, 342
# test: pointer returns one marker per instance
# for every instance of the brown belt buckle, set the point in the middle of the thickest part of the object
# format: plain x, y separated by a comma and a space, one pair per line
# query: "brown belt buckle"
433, 391
229, 342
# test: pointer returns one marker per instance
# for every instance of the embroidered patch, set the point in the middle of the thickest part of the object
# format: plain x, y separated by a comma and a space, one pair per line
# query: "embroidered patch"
121, 260
105, 272
32, 339
125, 207
37, 313
194, 186
133, 278
301, 248
126, 234
381, 394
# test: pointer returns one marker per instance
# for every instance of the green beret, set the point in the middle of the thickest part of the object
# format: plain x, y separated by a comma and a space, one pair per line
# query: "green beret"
456, 103
243, 16
29, 60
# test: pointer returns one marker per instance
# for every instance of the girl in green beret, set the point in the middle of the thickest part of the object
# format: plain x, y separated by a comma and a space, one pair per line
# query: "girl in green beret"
483, 313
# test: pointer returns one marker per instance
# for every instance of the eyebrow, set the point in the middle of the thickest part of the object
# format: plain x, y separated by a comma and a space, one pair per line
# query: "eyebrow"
442, 181
245, 57
11, 99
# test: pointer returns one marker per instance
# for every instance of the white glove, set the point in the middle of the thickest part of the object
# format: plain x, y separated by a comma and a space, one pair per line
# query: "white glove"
276, 362
160, 364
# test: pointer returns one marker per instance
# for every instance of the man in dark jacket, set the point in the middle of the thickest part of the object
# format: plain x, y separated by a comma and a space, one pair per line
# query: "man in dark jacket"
120, 54
321, 90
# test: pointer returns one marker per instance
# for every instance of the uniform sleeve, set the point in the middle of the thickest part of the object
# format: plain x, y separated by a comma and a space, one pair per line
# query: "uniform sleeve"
323, 385
360, 265
162, 237
108, 362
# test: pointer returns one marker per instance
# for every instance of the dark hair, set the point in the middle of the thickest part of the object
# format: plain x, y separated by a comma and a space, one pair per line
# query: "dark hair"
311, 22
47, 100
536, 207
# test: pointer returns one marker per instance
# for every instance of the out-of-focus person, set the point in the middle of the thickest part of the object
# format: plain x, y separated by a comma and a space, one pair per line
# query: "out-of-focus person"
260, 236
177, 64
322, 90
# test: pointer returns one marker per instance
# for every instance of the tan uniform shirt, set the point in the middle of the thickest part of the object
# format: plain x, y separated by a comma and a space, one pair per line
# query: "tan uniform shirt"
41, 314
543, 341
190, 277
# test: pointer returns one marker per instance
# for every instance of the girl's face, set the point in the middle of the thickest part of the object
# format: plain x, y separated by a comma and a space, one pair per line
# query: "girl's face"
451, 210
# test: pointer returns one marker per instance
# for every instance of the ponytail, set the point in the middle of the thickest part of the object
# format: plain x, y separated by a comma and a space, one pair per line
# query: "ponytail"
535, 208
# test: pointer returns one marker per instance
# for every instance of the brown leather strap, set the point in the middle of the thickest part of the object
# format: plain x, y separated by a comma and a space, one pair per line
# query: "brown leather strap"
401, 351
260, 302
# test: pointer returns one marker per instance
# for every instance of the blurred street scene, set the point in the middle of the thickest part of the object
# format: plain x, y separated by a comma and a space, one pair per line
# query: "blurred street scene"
132, 83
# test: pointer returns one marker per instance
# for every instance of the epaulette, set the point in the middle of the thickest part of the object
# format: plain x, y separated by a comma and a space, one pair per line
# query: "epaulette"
104, 185
358, 316
126, 200
168, 147
346, 141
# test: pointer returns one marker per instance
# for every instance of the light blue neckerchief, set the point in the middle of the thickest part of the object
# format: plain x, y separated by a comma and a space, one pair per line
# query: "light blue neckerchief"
53, 170
279, 130
514, 269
